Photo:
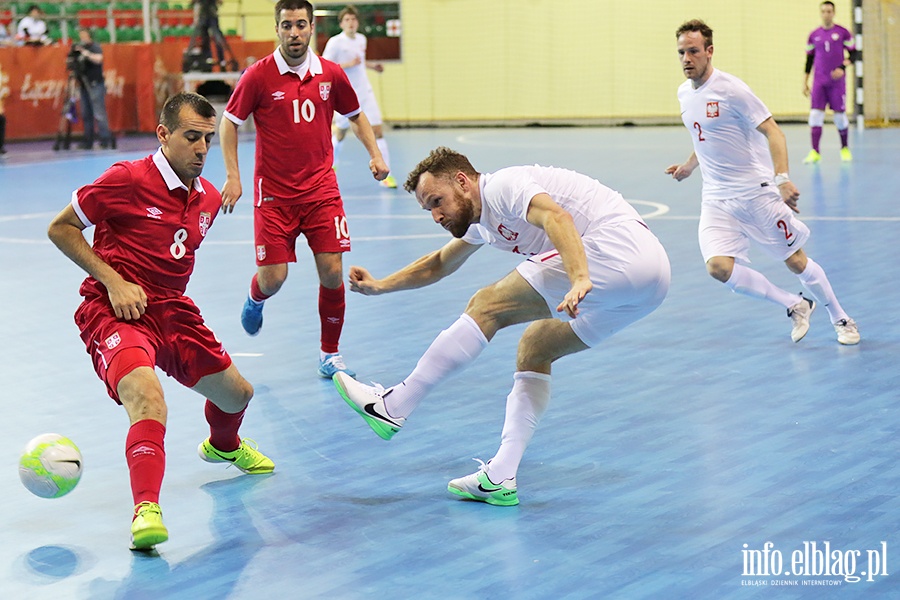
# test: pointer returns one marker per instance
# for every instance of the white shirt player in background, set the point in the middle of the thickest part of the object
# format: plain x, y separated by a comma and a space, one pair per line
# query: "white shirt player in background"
348, 49
747, 192
588, 256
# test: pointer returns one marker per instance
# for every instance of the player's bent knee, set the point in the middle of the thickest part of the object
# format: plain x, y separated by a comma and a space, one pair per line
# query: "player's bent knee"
816, 117
484, 307
532, 355
141, 394
271, 277
720, 269
245, 392
544, 342
797, 261
841, 121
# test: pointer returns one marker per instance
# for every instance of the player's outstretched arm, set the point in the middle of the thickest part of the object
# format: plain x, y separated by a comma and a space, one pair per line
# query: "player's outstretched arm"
684, 170
128, 300
428, 269
231, 190
543, 212
363, 131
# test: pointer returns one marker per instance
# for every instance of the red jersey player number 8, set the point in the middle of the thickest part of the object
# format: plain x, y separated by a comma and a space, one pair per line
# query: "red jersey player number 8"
177, 248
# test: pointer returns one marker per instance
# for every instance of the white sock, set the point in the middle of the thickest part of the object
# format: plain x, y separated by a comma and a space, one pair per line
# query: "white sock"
745, 280
337, 145
814, 279
385, 154
255, 302
525, 404
452, 350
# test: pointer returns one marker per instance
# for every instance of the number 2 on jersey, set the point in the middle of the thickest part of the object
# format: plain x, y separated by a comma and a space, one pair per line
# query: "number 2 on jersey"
699, 132
783, 226
307, 110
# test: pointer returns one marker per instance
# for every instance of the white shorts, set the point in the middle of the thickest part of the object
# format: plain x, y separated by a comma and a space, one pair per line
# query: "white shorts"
369, 105
630, 272
727, 226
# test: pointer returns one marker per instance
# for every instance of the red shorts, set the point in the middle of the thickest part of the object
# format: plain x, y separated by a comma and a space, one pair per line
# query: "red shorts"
171, 332
277, 227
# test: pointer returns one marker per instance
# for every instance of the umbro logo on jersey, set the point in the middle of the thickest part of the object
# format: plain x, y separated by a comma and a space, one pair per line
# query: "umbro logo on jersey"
154, 213
278, 95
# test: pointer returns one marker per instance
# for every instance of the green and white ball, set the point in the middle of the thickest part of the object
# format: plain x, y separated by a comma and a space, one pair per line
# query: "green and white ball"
50, 466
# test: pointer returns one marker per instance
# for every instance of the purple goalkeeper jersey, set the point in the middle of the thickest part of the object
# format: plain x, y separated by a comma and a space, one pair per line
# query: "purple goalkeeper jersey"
827, 46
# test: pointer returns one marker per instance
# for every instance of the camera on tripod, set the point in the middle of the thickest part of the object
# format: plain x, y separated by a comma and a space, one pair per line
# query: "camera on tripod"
75, 60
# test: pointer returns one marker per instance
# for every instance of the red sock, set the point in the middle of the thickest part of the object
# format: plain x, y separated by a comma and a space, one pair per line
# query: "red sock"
331, 313
146, 457
256, 293
223, 427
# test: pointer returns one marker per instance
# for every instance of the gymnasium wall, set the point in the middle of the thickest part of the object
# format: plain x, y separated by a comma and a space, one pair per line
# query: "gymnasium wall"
578, 60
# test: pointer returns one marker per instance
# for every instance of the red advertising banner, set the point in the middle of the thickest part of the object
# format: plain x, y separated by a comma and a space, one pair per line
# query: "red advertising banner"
139, 78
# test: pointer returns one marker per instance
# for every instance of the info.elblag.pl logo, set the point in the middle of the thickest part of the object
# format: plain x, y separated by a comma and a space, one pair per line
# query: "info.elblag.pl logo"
813, 559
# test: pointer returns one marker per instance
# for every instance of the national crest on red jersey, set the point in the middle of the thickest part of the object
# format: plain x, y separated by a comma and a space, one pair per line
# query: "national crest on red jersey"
205, 222
712, 110
324, 90
261, 252
113, 341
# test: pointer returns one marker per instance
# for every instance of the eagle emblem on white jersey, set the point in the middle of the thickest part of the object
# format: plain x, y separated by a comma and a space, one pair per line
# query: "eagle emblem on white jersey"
507, 233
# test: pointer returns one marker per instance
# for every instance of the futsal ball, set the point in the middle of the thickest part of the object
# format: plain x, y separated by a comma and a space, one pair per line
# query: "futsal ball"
50, 466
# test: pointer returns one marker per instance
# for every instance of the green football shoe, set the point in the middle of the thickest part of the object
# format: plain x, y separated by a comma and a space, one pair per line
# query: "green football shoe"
247, 458
147, 529
846, 155
478, 486
812, 157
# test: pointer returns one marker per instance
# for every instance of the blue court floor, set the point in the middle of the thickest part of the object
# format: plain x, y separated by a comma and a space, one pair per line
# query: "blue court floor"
669, 458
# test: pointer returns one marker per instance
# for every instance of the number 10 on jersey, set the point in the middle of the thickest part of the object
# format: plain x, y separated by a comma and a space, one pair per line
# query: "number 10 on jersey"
307, 110
340, 228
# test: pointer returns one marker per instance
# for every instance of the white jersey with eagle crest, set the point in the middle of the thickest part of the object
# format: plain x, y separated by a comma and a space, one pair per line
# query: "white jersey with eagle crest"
507, 194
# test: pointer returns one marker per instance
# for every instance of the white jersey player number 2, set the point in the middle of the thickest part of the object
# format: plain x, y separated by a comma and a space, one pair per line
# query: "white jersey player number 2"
307, 110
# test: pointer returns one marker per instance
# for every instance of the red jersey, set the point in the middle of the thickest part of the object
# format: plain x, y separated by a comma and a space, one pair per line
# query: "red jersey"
293, 117
148, 224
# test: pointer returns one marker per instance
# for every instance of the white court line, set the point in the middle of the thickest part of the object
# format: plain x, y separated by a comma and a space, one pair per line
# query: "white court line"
23, 217
375, 238
32, 241
802, 218
660, 212
661, 209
